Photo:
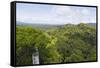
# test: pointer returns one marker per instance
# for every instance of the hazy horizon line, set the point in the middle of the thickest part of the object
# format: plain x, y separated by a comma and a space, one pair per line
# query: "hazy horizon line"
54, 23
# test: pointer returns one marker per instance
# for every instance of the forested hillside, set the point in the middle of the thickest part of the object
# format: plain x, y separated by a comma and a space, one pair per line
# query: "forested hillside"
60, 44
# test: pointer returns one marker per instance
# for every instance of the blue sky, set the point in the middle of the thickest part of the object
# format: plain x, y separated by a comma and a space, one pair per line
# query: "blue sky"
54, 14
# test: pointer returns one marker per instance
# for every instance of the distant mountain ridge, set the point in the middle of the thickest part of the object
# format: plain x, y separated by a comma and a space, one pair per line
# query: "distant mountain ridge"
38, 25
24, 23
92, 24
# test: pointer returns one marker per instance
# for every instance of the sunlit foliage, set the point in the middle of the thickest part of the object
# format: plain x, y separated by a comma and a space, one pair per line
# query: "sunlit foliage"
68, 43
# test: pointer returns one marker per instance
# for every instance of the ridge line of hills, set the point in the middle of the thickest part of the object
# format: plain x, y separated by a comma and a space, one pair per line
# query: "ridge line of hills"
35, 24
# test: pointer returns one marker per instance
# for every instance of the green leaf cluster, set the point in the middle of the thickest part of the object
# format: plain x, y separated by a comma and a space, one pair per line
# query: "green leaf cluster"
68, 43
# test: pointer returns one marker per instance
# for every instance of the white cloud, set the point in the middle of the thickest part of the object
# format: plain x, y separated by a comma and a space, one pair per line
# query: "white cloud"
62, 9
66, 14
58, 15
85, 11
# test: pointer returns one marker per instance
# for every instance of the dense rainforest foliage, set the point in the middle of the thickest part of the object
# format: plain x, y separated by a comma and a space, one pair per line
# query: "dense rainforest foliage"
60, 44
